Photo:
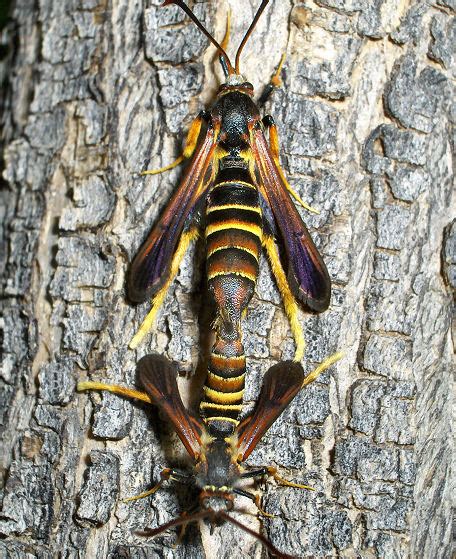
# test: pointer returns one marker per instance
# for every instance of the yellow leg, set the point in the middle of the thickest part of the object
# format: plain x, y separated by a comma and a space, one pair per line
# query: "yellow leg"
260, 508
165, 475
274, 142
175, 163
184, 243
189, 147
115, 389
274, 145
226, 38
273, 472
322, 367
274, 83
289, 302
145, 494
276, 80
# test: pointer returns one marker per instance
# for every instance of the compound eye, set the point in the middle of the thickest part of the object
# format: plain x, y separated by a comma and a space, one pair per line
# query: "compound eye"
247, 85
229, 504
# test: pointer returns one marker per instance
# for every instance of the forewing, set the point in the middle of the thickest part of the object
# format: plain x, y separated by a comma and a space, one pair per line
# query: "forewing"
150, 268
158, 376
306, 272
281, 384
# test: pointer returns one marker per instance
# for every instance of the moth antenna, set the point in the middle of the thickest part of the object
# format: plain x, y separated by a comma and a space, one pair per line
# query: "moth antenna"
201, 27
183, 519
267, 544
188, 518
249, 32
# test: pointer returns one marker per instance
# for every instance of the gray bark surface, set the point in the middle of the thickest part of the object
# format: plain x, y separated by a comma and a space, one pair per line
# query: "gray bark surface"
96, 91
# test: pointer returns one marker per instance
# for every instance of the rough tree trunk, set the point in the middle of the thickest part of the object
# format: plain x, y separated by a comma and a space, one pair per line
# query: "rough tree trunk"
96, 90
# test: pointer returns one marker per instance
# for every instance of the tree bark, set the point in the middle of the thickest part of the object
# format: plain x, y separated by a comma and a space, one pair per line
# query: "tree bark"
95, 91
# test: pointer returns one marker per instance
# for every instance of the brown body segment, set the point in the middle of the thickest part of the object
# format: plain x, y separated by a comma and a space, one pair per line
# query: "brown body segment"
234, 235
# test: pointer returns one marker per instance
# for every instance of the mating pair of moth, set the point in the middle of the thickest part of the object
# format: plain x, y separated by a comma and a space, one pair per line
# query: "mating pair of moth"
235, 190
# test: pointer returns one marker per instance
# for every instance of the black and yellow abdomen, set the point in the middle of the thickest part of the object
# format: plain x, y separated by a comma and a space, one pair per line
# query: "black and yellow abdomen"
234, 232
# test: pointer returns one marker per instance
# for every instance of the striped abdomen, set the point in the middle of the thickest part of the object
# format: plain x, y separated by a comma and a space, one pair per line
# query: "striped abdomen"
233, 236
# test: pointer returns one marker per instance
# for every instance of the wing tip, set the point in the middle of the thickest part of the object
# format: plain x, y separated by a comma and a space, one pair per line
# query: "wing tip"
136, 293
316, 303
292, 370
154, 363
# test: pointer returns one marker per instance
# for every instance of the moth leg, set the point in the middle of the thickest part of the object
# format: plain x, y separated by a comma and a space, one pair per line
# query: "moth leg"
257, 502
189, 146
268, 471
269, 123
254, 473
322, 367
255, 498
164, 475
186, 239
115, 389
289, 301
275, 82
272, 471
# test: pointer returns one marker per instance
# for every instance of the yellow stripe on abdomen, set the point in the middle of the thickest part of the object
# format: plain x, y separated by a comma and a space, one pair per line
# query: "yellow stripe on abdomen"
235, 224
244, 207
217, 397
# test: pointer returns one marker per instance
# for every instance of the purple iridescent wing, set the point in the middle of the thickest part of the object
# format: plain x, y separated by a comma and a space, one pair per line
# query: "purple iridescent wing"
306, 272
151, 267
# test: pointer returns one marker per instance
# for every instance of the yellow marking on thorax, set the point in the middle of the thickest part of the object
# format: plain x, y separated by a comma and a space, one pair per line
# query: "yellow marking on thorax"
232, 441
215, 489
206, 439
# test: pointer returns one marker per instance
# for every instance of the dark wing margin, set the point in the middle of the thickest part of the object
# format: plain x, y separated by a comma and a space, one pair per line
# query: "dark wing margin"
150, 268
281, 384
158, 376
306, 272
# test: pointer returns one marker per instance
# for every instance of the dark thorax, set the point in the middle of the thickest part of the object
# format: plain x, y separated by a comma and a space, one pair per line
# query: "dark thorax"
216, 475
237, 112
